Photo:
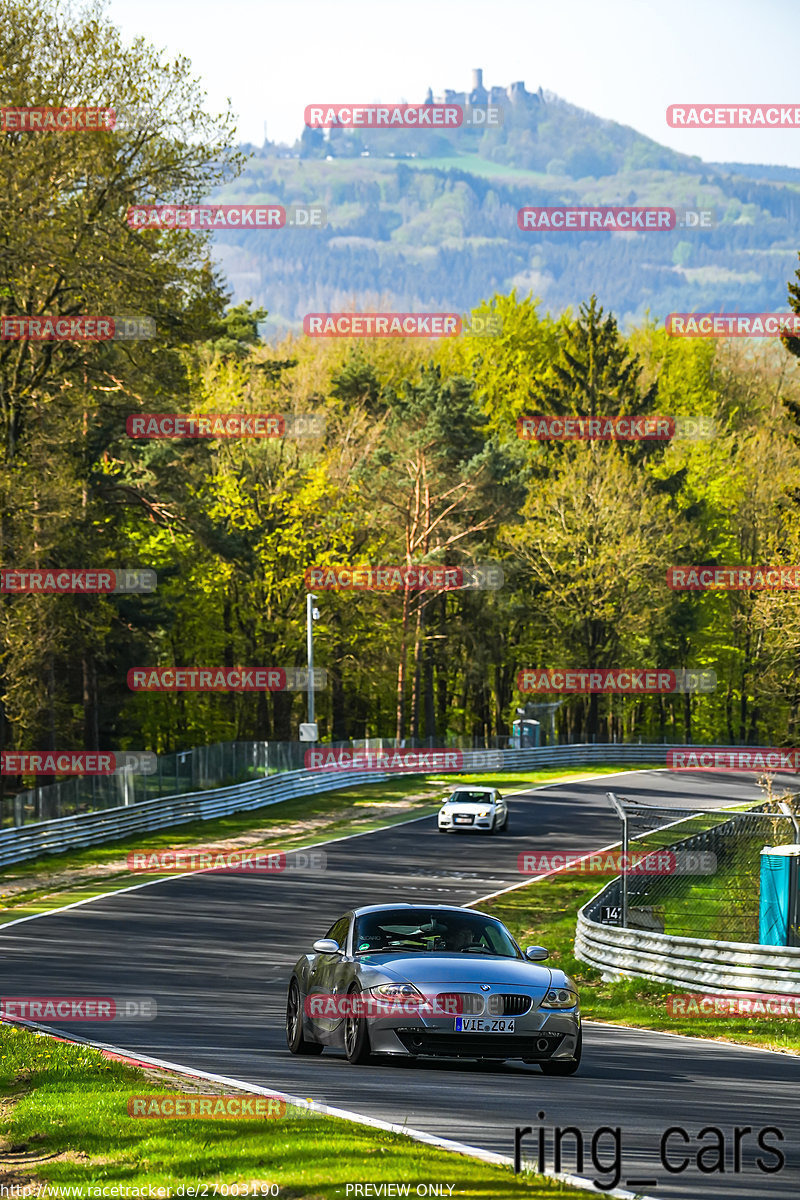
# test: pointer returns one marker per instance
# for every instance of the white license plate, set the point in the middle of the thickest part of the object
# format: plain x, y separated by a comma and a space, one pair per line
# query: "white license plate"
484, 1025
463, 820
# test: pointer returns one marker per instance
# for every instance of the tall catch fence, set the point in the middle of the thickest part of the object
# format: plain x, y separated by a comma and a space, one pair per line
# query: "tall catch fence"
197, 769
184, 771
692, 874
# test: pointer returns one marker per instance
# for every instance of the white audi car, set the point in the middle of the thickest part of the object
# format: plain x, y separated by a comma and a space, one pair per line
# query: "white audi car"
474, 808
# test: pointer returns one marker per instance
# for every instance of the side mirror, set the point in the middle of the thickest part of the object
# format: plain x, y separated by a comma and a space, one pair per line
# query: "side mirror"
326, 946
536, 953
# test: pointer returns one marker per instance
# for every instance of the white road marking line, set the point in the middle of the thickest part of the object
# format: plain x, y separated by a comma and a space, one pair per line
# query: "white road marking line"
417, 1135
50, 912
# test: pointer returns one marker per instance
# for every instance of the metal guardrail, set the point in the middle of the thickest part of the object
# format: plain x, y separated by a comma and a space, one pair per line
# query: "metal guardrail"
689, 962
599, 753
697, 963
95, 828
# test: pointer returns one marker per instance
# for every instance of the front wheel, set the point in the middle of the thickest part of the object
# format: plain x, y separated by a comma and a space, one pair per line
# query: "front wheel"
294, 1024
356, 1036
565, 1066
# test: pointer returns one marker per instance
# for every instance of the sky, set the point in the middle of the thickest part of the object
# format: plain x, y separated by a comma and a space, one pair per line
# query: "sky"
625, 60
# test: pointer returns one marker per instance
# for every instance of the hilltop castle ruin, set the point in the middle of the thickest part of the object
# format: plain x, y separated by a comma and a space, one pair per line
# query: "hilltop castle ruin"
514, 94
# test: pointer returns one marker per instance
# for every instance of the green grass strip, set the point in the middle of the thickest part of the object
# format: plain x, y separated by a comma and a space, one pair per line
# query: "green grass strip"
66, 1118
545, 913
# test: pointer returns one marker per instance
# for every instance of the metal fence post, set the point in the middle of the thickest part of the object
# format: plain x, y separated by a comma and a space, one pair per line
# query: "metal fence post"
623, 816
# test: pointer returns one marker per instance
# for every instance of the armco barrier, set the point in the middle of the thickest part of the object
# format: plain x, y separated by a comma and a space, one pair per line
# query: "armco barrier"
92, 829
700, 964
695, 963
95, 828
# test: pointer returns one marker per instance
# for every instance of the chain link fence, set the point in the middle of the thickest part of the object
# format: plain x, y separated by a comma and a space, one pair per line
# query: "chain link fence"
695, 874
196, 769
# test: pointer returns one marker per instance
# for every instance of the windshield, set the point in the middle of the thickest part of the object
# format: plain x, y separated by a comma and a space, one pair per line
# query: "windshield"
471, 798
417, 931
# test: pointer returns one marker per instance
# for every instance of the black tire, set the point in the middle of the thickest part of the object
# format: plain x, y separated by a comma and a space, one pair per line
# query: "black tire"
565, 1066
356, 1036
441, 828
493, 826
294, 1024
505, 824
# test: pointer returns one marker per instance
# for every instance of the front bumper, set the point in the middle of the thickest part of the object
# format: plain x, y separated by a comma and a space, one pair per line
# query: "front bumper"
475, 823
537, 1037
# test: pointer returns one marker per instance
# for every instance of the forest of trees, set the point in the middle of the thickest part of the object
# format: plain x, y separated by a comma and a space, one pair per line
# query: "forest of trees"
420, 462
442, 235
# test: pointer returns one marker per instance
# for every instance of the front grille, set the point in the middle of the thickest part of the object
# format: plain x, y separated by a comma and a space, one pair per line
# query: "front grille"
480, 1045
460, 1004
507, 1004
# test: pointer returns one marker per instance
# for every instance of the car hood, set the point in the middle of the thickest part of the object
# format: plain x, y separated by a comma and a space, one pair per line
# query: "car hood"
458, 968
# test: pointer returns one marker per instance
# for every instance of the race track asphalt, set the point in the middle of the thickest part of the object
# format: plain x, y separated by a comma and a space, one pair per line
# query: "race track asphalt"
215, 952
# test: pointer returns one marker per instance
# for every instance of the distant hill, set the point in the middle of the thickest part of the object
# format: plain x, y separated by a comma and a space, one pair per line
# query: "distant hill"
421, 220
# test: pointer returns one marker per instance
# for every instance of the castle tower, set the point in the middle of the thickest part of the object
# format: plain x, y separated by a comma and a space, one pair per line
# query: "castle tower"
478, 95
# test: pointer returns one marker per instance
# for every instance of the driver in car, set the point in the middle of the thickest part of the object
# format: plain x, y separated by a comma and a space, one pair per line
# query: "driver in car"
459, 939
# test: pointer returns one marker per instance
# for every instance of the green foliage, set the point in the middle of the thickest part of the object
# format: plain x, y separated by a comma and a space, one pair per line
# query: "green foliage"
419, 460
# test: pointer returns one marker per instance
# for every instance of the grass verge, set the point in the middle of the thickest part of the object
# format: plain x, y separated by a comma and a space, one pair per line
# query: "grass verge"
545, 913
67, 1126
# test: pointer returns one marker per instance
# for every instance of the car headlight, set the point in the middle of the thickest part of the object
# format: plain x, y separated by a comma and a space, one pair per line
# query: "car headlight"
559, 998
394, 991
484, 812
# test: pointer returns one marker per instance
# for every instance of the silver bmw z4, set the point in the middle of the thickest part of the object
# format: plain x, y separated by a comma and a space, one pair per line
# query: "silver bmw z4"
435, 980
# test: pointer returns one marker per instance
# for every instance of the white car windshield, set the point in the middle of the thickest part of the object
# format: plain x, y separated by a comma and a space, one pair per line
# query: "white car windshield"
471, 798
405, 931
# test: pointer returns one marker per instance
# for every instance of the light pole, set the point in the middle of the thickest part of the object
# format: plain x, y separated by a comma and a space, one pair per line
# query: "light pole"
312, 615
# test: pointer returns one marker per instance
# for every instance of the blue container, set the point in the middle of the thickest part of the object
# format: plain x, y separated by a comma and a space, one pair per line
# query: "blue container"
523, 734
778, 899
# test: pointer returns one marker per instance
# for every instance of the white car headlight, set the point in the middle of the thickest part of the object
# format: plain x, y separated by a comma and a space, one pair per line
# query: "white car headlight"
395, 991
559, 998
484, 812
